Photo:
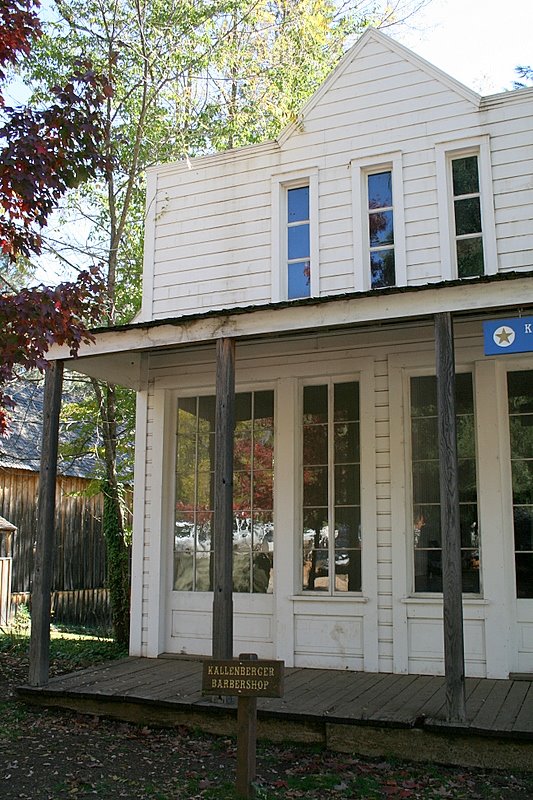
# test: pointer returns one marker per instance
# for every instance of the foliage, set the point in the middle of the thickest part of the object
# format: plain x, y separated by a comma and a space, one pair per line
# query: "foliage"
34, 319
20, 26
45, 151
526, 74
117, 567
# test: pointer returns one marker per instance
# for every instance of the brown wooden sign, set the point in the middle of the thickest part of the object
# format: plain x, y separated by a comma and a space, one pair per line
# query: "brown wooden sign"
243, 678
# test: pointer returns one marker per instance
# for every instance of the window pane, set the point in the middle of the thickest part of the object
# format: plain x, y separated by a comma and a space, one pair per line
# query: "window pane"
348, 571
264, 408
424, 439
424, 396
380, 228
299, 277
203, 572
183, 571
522, 482
242, 490
428, 571
315, 404
523, 527
464, 393
242, 555
521, 427
427, 526
315, 486
467, 480
262, 489
346, 401
263, 449
298, 204
468, 524
524, 575
262, 573
346, 442
347, 483
316, 571
382, 269
520, 388
243, 407
426, 481
470, 571
380, 190
242, 454
467, 216
470, 257
298, 242
465, 175
206, 413
315, 444
204, 526
348, 528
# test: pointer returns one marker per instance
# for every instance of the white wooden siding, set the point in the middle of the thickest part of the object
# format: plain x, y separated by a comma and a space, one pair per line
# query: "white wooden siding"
210, 233
387, 628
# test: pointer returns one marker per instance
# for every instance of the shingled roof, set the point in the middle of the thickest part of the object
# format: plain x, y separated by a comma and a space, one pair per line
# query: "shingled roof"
21, 448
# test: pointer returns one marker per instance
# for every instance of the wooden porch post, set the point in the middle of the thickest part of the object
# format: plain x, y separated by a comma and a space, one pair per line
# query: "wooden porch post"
223, 505
450, 522
44, 552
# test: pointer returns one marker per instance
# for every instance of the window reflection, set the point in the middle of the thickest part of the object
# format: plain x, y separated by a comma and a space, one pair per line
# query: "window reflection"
427, 533
331, 488
253, 527
520, 394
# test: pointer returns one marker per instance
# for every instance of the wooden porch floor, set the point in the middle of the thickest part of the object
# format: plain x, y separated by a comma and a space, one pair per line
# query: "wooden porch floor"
361, 712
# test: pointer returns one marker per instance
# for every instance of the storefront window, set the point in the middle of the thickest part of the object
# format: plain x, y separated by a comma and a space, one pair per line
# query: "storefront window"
426, 490
253, 527
331, 488
520, 389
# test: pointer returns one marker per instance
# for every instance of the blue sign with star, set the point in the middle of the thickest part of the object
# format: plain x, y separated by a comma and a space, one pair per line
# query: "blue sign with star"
508, 336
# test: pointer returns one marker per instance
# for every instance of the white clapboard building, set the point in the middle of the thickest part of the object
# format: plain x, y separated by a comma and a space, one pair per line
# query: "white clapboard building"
325, 257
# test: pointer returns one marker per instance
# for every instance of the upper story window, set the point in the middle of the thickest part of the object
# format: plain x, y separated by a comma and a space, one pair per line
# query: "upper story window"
466, 209
379, 237
295, 235
381, 229
298, 243
467, 216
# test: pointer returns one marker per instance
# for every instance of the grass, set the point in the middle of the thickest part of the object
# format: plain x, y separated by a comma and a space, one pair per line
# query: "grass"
71, 647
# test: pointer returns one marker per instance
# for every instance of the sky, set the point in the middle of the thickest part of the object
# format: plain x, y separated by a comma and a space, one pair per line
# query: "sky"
478, 42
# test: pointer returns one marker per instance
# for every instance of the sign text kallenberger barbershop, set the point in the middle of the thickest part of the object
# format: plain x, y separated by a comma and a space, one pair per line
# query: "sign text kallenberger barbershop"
245, 678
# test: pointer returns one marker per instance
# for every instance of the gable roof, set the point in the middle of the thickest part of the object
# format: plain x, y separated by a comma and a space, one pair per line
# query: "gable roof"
370, 36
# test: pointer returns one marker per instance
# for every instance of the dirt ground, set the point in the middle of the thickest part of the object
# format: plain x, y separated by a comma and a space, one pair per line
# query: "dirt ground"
51, 755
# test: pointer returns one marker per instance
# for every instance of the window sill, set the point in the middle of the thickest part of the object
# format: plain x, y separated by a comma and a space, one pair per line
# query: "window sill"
438, 600
314, 598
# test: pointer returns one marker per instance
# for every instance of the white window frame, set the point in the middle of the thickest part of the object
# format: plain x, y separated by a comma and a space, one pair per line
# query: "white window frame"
280, 186
330, 381
416, 372
361, 169
445, 153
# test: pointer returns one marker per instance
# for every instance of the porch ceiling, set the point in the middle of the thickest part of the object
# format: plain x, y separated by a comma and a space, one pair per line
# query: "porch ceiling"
116, 352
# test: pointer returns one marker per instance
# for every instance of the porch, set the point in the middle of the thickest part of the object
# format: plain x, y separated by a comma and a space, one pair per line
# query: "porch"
373, 714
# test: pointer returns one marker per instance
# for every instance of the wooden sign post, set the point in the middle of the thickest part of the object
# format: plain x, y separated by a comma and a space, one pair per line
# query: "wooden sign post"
246, 678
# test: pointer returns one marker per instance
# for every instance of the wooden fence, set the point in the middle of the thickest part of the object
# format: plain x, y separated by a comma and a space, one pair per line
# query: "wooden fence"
79, 593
